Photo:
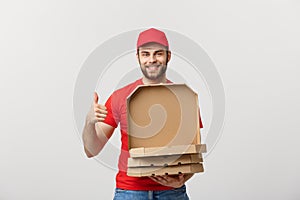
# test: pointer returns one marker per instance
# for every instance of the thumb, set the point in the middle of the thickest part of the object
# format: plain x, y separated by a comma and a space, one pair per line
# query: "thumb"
96, 98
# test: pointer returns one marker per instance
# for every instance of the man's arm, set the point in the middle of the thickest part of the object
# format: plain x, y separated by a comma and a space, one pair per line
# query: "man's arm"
95, 136
95, 132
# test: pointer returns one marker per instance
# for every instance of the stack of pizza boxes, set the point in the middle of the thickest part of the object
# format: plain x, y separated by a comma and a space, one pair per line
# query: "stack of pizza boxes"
164, 131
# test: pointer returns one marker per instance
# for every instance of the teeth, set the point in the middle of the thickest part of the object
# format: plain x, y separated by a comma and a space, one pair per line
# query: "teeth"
152, 67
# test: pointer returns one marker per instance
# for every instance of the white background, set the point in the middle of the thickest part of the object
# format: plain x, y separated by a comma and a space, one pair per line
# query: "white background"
255, 46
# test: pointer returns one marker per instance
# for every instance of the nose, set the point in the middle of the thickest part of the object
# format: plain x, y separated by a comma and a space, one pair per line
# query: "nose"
152, 58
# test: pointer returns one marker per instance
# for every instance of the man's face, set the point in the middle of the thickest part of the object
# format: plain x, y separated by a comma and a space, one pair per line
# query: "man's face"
153, 59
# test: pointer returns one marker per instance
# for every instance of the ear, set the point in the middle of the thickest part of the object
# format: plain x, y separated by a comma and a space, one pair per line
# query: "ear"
138, 57
169, 55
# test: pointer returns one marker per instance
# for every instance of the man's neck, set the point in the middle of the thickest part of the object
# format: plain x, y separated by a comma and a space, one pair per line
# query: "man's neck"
156, 81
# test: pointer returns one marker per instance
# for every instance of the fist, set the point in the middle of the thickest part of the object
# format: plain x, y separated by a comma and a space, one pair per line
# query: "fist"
97, 111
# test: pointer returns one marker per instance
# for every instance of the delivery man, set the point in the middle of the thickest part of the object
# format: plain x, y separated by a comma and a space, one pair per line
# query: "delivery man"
153, 55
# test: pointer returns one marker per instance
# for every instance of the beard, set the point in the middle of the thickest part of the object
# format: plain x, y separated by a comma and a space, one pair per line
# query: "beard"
153, 72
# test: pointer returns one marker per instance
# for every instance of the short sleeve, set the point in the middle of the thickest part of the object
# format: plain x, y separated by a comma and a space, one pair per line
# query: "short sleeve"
111, 118
200, 121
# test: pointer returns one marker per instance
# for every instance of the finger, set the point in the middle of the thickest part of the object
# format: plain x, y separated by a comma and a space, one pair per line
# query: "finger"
155, 179
100, 106
100, 119
152, 178
101, 111
165, 176
96, 98
99, 115
169, 177
161, 179
181, 177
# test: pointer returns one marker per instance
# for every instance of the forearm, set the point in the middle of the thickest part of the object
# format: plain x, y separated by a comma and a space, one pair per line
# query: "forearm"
95, 136
91, 141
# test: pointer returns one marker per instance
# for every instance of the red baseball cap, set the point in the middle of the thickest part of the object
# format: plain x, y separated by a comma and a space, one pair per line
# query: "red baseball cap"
152, 35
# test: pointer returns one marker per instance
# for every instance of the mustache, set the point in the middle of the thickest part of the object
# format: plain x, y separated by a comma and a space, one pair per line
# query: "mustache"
154, 65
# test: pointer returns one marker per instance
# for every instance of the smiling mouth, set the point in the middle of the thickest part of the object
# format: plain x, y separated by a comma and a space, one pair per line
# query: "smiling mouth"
152, 67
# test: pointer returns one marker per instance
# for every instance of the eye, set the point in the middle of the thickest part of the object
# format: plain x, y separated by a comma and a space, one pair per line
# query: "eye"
144, 54
160, 53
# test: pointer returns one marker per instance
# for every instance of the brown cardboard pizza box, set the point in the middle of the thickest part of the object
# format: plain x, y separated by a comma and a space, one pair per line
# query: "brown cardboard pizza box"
167, 160
167, 150
169, 170
163, 115
163, 120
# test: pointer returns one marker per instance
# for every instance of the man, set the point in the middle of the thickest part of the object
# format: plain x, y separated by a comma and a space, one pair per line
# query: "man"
153, 55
